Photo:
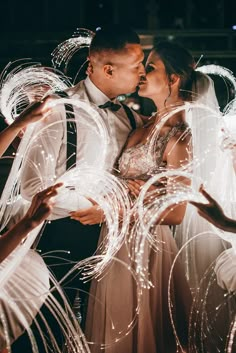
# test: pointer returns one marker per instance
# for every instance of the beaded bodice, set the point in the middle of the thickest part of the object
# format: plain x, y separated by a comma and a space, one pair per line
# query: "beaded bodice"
138, 161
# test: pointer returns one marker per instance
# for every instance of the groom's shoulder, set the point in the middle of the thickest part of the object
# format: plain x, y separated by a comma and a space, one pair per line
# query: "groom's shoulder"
78, 89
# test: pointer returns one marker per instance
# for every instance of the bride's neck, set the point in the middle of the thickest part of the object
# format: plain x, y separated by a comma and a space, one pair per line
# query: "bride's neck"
165, 105
174, 118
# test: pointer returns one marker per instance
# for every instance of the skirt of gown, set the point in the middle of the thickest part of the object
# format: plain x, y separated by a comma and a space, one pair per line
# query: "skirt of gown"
212, 327
200, 246
113, 303
22, 296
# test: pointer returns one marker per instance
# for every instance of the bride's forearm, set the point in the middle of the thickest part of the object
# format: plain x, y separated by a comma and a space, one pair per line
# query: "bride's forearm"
173, 215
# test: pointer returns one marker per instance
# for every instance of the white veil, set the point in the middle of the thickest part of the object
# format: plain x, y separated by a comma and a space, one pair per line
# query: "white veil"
205, 122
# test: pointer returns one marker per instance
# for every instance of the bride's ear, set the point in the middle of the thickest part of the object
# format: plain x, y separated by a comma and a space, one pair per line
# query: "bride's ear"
174, 80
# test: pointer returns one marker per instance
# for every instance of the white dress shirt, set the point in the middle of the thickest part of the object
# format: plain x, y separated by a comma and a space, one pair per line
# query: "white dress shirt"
46, 158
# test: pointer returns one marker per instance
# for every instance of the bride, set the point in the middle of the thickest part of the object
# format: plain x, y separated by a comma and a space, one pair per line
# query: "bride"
114, 299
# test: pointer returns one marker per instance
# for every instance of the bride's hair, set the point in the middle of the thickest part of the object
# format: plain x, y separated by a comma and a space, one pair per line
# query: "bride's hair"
179, 61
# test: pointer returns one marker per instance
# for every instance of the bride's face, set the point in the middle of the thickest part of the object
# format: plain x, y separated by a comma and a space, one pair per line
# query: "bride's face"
156, 85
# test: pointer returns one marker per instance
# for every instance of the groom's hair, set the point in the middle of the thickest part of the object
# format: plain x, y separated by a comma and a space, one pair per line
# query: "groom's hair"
113, 38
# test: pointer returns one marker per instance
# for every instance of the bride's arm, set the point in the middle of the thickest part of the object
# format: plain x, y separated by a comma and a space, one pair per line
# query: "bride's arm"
177, 155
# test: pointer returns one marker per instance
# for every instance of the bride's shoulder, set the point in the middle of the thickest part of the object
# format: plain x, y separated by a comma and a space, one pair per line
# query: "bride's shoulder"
181, 136
135, 136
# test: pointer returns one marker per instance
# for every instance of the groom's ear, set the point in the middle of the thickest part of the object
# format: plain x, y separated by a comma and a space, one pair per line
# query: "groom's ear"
108, 70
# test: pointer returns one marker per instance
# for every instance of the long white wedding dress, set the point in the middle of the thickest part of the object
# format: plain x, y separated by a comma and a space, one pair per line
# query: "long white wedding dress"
114, 298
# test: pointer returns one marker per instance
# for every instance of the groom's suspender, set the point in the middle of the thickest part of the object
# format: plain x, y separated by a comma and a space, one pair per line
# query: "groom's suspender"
130, 116
71, 128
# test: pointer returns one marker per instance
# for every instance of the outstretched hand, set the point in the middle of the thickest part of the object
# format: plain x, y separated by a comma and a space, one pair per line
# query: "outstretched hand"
211, 211
39, 210
34, 112
89, 216
40, 207
31, 114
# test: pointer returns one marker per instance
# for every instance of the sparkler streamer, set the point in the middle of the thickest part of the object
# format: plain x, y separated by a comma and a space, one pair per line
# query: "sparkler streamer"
89, 119
63, 53
90, 180
111, 196
26, 83
219, 71
21, 298
210, 307
11, 191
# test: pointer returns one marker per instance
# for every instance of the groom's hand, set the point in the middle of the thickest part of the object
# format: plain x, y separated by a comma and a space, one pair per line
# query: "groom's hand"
89, 216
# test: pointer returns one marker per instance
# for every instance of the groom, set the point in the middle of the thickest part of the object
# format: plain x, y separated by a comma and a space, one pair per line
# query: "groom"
116, 62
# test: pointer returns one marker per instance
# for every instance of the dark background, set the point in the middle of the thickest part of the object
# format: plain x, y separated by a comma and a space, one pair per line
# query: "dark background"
32, 29
61, 15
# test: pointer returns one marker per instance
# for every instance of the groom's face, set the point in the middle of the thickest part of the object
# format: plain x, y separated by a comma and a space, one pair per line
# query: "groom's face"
124, 68
127, 68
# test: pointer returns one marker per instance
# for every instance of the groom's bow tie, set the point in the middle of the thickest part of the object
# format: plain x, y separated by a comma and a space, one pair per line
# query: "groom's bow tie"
110, 105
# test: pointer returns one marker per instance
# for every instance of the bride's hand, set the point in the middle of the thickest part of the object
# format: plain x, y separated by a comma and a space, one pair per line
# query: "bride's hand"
135, 186
154, 191
89, 216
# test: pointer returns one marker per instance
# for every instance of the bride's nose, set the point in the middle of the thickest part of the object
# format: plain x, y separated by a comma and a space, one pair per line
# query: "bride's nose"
142, 70
143, 78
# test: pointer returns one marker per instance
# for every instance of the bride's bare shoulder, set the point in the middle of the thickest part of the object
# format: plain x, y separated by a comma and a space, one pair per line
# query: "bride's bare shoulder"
135, 137
140, 134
